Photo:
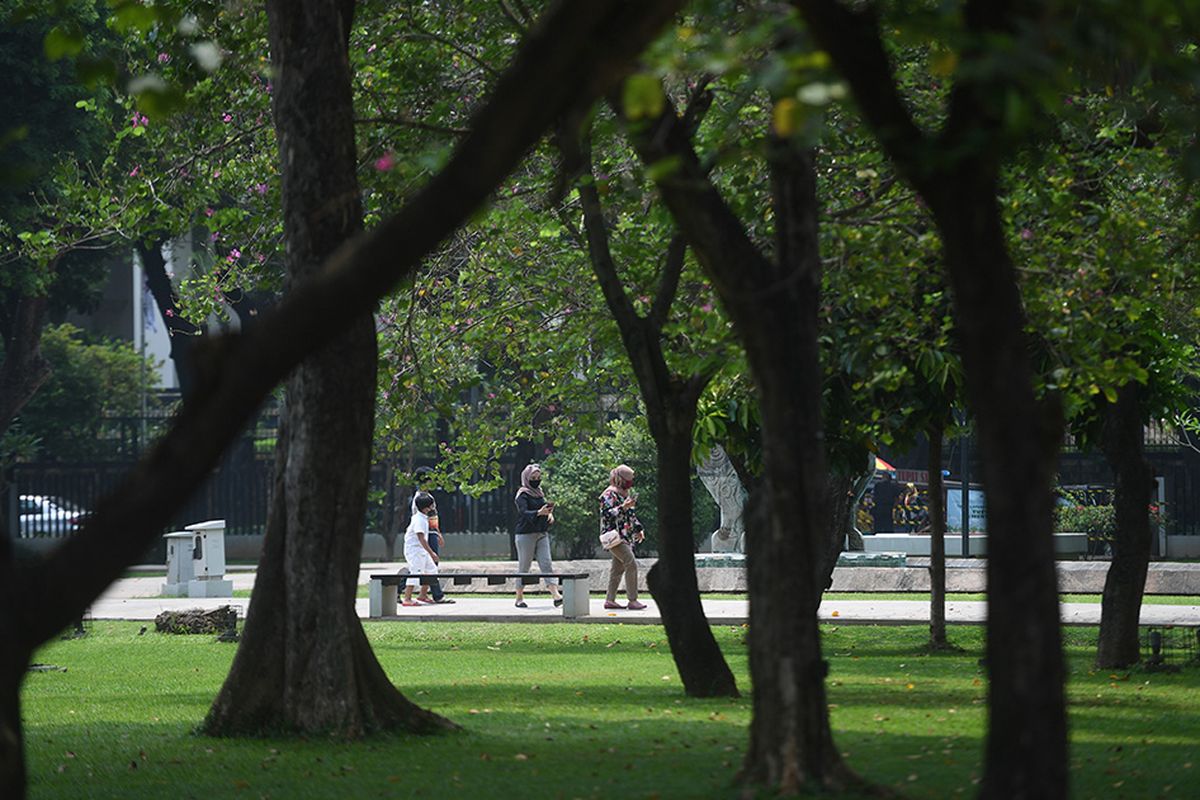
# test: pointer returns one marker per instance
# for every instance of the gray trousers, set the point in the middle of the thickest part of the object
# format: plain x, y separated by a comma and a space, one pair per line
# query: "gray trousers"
531, 546
623, 564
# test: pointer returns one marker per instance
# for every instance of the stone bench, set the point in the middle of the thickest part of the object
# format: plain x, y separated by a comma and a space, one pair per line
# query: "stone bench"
382, 590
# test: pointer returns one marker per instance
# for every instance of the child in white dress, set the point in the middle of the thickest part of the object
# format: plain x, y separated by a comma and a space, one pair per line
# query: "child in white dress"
420, 557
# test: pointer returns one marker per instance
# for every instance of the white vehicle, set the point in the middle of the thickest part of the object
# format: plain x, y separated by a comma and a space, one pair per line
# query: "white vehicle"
47, 516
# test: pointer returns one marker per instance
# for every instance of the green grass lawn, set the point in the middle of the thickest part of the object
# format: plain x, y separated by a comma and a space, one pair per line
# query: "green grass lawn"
592, 711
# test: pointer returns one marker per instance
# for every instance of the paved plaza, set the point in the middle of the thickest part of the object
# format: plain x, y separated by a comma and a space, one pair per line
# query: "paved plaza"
137, 598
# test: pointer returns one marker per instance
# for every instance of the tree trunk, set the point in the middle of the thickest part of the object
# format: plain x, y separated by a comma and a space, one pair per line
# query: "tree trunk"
671, 410
14, 661
1019, 438
937, 543
24, 369
791, 744
182, 332
841, 499
672, 580
1121, 605
305, 665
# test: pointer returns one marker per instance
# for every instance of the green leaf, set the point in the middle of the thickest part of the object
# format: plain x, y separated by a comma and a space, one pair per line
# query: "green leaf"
642, 97
133, 16
63, 42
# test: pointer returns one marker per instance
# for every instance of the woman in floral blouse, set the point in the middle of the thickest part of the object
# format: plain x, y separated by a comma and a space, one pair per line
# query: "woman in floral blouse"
617, 505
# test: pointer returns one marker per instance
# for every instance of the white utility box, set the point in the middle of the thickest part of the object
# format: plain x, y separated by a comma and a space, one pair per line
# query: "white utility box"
208, 560
179, 563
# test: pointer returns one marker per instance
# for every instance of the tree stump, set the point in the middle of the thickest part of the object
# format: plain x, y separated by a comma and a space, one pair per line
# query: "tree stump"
197, 620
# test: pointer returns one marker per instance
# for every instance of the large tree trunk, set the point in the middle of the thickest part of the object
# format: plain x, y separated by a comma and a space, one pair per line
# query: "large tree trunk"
937, 543
1126, 580
672, 580
14, 661
305, 665
1019, 437
956, 173
791, 743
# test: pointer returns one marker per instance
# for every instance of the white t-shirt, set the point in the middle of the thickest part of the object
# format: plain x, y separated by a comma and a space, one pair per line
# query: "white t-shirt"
418, 523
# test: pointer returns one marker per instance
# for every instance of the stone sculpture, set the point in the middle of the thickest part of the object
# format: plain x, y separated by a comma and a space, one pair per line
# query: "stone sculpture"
722, 482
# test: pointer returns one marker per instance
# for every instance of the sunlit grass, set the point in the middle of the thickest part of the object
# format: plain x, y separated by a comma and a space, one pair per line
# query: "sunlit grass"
575, 711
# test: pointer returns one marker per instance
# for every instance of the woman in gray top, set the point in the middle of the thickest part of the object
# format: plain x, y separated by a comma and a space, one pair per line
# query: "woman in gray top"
535, 515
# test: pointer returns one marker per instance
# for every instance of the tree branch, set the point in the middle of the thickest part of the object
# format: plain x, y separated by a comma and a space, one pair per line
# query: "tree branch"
408, 122
715, 233
851, 37
668, 283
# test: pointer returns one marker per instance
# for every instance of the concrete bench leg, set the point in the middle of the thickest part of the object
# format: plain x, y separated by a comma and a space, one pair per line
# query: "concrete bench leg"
575, 598
381, 599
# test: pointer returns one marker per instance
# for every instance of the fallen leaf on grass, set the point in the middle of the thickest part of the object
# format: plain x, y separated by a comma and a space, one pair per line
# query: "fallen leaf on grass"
521, 757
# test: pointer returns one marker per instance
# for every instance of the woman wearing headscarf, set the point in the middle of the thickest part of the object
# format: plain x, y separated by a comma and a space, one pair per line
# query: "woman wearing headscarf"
534, 516
617, 504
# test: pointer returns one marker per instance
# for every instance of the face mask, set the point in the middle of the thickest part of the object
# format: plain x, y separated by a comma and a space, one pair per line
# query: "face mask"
535, 482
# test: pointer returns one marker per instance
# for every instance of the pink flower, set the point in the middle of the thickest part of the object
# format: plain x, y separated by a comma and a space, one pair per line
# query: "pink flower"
371, 49
226, 117
215, 235
234, 255
491, 395
168, 313
216, 174
163, 58
706, 307
208, 212
261, 257
385, 162
1026, 234
134, 172
260, 189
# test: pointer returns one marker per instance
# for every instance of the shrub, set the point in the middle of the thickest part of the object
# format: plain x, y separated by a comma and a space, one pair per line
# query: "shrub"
578, 473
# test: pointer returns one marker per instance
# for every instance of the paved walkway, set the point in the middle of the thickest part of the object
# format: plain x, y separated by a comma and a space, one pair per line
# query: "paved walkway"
136, 599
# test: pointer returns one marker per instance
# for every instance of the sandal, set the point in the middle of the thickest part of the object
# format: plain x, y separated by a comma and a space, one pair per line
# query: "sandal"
443, 601
522, 604
558, 602
409, 603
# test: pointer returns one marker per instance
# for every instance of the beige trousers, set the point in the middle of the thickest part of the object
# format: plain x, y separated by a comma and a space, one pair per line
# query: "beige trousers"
623, 563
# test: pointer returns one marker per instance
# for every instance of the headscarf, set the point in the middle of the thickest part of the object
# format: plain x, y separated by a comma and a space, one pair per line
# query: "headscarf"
525, 487
617, 478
